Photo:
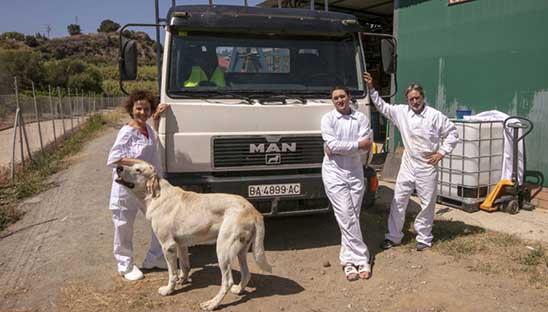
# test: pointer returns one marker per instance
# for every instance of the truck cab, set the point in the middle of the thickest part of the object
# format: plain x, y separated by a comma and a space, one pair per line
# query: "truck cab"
247, 88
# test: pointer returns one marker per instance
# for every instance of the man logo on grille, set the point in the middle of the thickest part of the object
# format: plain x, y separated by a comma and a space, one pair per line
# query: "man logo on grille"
273, 147
273, 159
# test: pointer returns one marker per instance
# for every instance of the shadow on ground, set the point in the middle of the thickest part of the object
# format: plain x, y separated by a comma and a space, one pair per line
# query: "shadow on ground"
445, 230
321, 230
264, 285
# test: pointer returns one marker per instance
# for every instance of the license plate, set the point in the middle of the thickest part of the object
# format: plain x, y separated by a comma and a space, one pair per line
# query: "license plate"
265, 190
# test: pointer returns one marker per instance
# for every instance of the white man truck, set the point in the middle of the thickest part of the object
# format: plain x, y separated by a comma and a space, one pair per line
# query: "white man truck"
247, 88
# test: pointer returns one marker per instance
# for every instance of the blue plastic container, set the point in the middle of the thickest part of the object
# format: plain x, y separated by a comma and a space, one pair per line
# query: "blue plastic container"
461, 112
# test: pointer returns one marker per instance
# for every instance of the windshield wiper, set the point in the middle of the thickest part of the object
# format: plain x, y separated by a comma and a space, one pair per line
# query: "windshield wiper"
181, 94
210, 94
223, 94
271, 96
325, 94
315, 94
279, 98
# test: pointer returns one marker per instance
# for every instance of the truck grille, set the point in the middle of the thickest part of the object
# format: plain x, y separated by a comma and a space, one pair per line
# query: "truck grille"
257, 151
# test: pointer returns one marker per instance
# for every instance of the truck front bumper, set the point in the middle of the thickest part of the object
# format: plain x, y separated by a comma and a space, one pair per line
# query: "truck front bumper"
312, 198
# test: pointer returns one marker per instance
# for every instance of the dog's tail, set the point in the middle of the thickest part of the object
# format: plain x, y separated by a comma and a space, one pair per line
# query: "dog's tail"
258, 246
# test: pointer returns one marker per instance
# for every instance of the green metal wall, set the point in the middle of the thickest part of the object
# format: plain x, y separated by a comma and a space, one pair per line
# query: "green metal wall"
483, 54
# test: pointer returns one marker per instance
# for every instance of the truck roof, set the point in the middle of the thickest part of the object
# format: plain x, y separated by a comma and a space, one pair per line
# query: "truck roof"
229, 18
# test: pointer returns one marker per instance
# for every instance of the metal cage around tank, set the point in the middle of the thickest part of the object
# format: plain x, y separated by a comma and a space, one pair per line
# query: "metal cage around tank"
473, 169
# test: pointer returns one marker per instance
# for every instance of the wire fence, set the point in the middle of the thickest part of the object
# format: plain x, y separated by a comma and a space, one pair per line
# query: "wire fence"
29, 123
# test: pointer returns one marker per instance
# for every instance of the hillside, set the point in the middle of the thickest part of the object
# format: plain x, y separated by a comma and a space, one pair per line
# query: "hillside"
100, 48
98, 52
95, 48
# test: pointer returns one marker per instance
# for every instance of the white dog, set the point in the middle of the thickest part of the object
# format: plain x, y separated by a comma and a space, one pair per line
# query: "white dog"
181, 219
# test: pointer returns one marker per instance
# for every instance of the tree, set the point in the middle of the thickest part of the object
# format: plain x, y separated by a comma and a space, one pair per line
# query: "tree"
74, 29
25, 65
108, 26
73, 73
89, 80
31, 41
128, 34
17, 36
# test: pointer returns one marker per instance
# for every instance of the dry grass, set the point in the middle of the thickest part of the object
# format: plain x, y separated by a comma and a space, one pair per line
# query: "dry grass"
497, 253
486, 252
124, 296
489, 252
32, 179
113, 117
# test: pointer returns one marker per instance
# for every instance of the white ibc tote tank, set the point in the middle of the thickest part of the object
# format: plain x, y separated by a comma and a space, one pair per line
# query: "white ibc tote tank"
475, 165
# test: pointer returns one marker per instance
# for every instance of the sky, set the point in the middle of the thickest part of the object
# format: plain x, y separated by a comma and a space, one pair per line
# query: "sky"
32, 16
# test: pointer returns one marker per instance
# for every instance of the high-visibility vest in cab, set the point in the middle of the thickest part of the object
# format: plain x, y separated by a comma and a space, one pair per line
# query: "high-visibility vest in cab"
198, 75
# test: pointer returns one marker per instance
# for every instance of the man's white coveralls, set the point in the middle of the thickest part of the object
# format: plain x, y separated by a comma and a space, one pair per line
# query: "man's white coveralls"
422, 134
342, 175
130, 143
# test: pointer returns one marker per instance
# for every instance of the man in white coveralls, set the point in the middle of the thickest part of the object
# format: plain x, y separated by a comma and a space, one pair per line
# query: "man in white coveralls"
347, 135
427, 136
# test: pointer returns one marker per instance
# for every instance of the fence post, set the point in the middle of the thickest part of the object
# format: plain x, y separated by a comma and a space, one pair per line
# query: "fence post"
19, 124
52, 115
94, 108
37, 116
22, 130
76, 105
22, 121
82, 106
80, 101
61, 110
89, 105
70, 110
15, 124
86, 105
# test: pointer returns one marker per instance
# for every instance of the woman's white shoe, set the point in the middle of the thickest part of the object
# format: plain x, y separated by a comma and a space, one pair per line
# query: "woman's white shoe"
133, 275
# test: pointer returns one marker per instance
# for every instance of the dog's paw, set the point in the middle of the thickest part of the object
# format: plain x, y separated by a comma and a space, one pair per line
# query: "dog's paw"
207, 305
165, 290
183, 279
236, 289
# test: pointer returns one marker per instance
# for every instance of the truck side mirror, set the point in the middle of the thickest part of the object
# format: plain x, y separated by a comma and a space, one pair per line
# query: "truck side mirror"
388, 56
128, 60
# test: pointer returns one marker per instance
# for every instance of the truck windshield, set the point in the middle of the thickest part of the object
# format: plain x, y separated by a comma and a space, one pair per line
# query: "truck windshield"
262, 64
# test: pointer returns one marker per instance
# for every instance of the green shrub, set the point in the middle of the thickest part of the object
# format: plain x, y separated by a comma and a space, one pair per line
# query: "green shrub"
26, 65
108, 26
112, 87
74, 29
17, 36
74, 74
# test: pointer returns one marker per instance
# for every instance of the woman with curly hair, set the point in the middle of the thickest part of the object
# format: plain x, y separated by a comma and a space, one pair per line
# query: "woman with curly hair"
135, 140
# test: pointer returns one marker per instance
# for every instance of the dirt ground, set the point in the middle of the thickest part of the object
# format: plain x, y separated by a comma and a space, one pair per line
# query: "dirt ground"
59, 258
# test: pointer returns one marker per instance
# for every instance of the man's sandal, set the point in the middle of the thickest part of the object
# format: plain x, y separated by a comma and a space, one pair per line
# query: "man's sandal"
364, 272
350, 272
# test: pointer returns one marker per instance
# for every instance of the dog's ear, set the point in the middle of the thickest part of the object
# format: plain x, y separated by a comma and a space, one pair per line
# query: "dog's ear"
153, 186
